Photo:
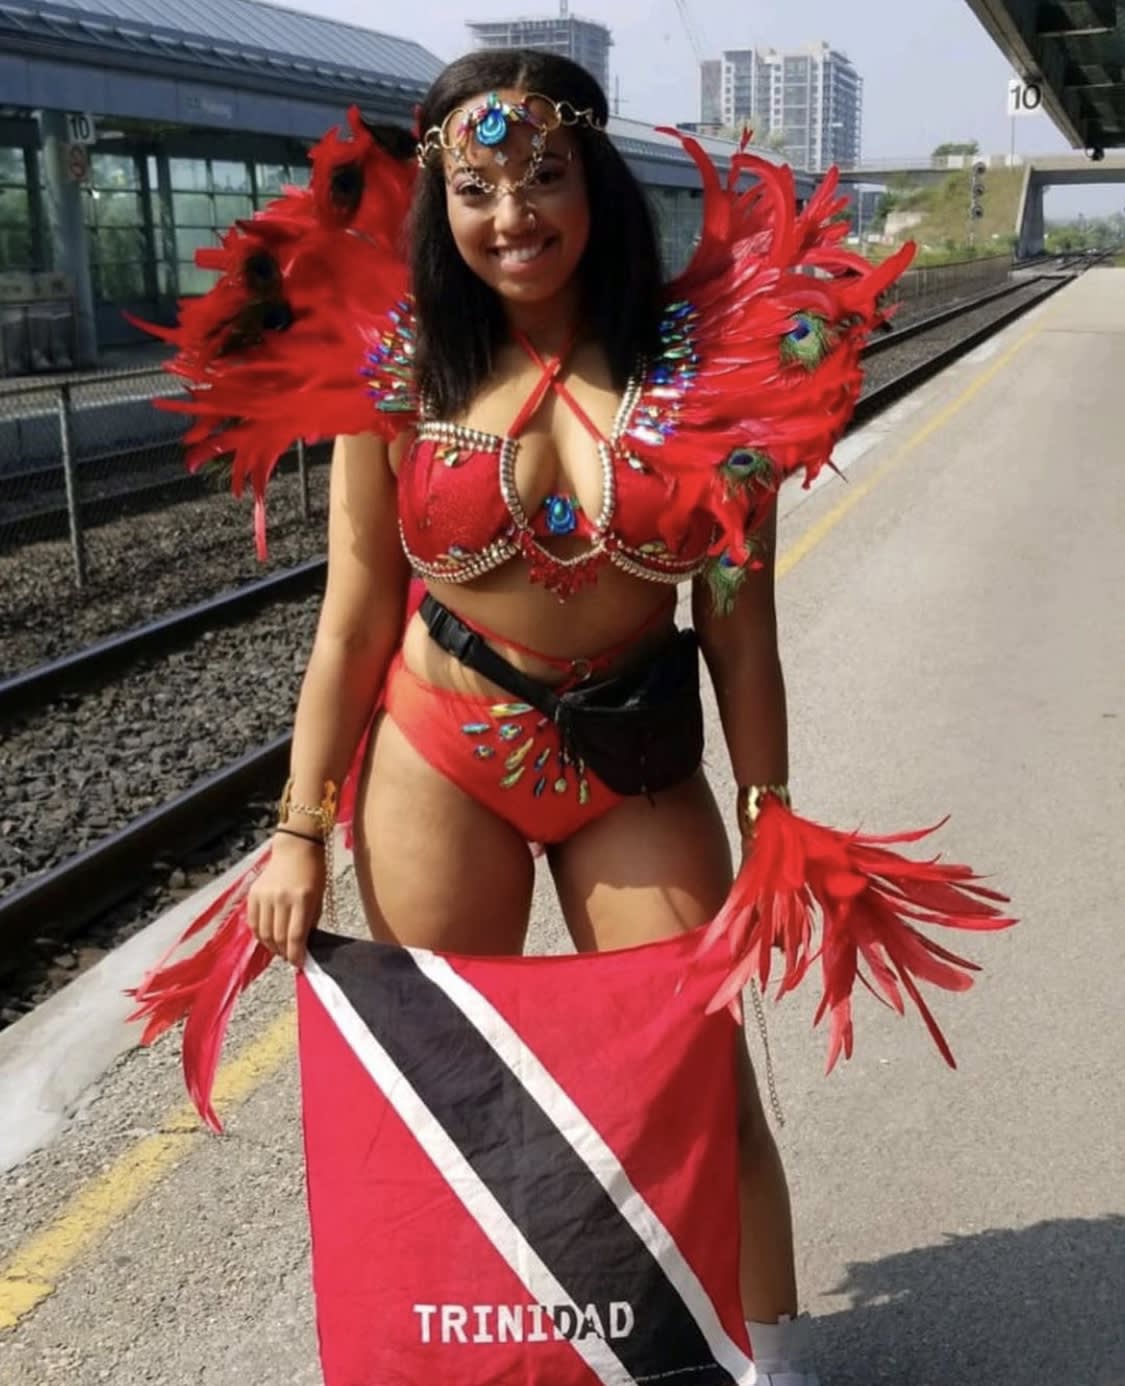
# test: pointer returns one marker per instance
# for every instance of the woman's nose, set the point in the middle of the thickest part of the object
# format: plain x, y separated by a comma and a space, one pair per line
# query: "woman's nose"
513, 213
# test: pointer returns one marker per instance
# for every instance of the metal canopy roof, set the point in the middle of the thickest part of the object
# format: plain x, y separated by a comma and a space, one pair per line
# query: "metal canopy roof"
227, 35
1076, 48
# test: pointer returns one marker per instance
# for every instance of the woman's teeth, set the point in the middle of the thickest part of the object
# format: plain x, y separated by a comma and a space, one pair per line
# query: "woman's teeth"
521, 255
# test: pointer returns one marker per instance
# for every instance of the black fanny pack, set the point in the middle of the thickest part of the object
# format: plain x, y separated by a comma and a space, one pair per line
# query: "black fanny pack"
639, 732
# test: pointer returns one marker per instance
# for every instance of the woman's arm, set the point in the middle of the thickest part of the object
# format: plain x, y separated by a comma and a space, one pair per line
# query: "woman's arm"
360, 620
742, 656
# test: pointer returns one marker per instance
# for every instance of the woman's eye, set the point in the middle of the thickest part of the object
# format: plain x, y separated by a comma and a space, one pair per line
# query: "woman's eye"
469, 191
546, 176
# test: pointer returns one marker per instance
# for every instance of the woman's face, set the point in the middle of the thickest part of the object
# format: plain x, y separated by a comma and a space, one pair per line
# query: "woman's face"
524, 242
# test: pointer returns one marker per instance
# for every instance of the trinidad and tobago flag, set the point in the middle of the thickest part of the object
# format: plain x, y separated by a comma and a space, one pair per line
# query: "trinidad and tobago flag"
521, 1171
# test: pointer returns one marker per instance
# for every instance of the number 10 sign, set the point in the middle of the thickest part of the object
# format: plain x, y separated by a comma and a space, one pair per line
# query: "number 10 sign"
1024, 98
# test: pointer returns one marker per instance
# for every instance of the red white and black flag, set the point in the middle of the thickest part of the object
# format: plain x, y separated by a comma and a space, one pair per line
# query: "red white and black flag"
521, 1171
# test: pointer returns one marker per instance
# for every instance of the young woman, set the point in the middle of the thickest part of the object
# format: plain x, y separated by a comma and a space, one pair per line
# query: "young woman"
557, 444
537, 300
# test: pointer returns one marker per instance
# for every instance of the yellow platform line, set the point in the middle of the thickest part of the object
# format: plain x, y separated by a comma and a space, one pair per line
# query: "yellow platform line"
34, 1271
857, 490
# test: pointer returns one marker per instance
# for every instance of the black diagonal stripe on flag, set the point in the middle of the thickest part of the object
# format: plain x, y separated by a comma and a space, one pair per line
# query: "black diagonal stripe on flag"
525, 1161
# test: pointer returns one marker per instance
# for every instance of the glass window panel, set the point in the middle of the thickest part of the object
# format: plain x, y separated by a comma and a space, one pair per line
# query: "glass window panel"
111, 171
14, 207
188, 175
189, 239
114, 209
15, 248
193, 280
227, 176
271, 178
119, 281
164, 285
192, 209
11, 165
119, 243
229, 208
299, 175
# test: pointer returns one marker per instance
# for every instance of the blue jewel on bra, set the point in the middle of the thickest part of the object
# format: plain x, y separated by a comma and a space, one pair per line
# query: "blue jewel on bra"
561, 515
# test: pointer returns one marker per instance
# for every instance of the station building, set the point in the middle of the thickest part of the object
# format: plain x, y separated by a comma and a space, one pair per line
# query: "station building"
133, 132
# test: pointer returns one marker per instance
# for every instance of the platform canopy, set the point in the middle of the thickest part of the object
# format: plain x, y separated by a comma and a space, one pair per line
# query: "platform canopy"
243, 43
1076, 50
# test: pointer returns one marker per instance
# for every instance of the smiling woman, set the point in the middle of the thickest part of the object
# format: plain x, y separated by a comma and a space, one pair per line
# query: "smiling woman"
566, 1173
483, 210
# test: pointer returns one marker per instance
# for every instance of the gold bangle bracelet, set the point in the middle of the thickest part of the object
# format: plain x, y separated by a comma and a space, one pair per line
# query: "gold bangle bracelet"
749, 803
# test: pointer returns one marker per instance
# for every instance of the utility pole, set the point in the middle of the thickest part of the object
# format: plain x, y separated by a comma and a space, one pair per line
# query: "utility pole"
564, 9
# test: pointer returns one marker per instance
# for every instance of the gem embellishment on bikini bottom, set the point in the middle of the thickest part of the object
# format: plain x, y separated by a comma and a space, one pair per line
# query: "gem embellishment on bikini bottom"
526, 746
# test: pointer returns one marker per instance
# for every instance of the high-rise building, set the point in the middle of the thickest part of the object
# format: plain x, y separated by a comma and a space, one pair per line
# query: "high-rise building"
807, 101
580, 39
711, 92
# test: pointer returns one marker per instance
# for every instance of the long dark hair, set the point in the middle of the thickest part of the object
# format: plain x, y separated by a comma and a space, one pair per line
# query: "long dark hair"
460, 319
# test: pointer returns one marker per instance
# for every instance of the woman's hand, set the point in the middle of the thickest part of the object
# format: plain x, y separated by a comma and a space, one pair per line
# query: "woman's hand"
285, 901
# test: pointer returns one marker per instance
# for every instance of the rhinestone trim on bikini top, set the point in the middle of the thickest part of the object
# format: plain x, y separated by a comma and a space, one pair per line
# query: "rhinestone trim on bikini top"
643, 562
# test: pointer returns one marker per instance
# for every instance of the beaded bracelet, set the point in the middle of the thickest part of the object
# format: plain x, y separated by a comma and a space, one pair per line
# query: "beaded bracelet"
308, 837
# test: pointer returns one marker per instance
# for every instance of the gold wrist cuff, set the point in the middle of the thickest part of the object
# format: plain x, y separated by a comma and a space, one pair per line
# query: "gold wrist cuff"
749, 803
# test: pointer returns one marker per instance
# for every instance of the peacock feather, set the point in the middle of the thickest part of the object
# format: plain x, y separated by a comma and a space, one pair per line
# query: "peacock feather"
724, 577
745, 467
807, 342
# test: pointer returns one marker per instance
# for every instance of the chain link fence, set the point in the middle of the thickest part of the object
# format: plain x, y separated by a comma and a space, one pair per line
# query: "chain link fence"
103, 528
922, 289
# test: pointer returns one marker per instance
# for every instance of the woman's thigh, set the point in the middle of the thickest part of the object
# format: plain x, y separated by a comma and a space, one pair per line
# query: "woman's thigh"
436, 869
645, 870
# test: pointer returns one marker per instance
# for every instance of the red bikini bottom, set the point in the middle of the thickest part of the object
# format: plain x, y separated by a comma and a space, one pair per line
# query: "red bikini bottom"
506, 755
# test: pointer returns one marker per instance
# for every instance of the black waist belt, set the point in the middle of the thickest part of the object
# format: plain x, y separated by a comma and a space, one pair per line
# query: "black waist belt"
640, 731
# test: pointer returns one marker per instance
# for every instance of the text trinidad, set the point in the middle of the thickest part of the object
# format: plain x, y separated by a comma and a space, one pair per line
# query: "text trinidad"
523, 1323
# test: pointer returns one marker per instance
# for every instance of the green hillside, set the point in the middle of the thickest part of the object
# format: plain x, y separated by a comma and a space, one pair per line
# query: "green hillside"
945, 209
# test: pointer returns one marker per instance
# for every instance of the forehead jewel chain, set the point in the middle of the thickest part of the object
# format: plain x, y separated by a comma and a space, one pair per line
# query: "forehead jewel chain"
488, 126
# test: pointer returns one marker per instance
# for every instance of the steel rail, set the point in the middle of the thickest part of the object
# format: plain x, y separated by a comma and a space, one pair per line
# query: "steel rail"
70, 673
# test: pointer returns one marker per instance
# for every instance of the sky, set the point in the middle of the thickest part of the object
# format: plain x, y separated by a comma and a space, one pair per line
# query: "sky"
930, 71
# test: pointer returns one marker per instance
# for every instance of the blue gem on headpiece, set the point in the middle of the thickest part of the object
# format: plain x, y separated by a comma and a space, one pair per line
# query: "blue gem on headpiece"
802, 329
493, 129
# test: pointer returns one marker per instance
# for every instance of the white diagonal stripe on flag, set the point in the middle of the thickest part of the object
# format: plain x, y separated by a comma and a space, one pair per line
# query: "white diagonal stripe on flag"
501, 1231
580, 1133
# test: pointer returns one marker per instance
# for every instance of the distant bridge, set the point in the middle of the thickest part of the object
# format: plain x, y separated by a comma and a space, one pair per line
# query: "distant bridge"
1041, 171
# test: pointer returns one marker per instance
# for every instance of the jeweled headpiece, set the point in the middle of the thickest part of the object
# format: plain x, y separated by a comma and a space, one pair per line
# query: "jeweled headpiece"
485, 128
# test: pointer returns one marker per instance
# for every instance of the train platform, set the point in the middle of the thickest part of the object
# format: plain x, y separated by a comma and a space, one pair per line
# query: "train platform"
953, 642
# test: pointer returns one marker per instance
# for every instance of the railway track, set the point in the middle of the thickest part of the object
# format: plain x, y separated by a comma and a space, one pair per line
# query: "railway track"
145, 477
73, 891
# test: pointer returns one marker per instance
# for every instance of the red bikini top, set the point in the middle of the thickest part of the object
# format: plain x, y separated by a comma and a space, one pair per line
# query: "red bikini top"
460, 515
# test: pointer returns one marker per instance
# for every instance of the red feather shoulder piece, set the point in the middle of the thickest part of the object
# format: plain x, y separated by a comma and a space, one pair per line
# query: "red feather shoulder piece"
758, 372
308, 332
757, 377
